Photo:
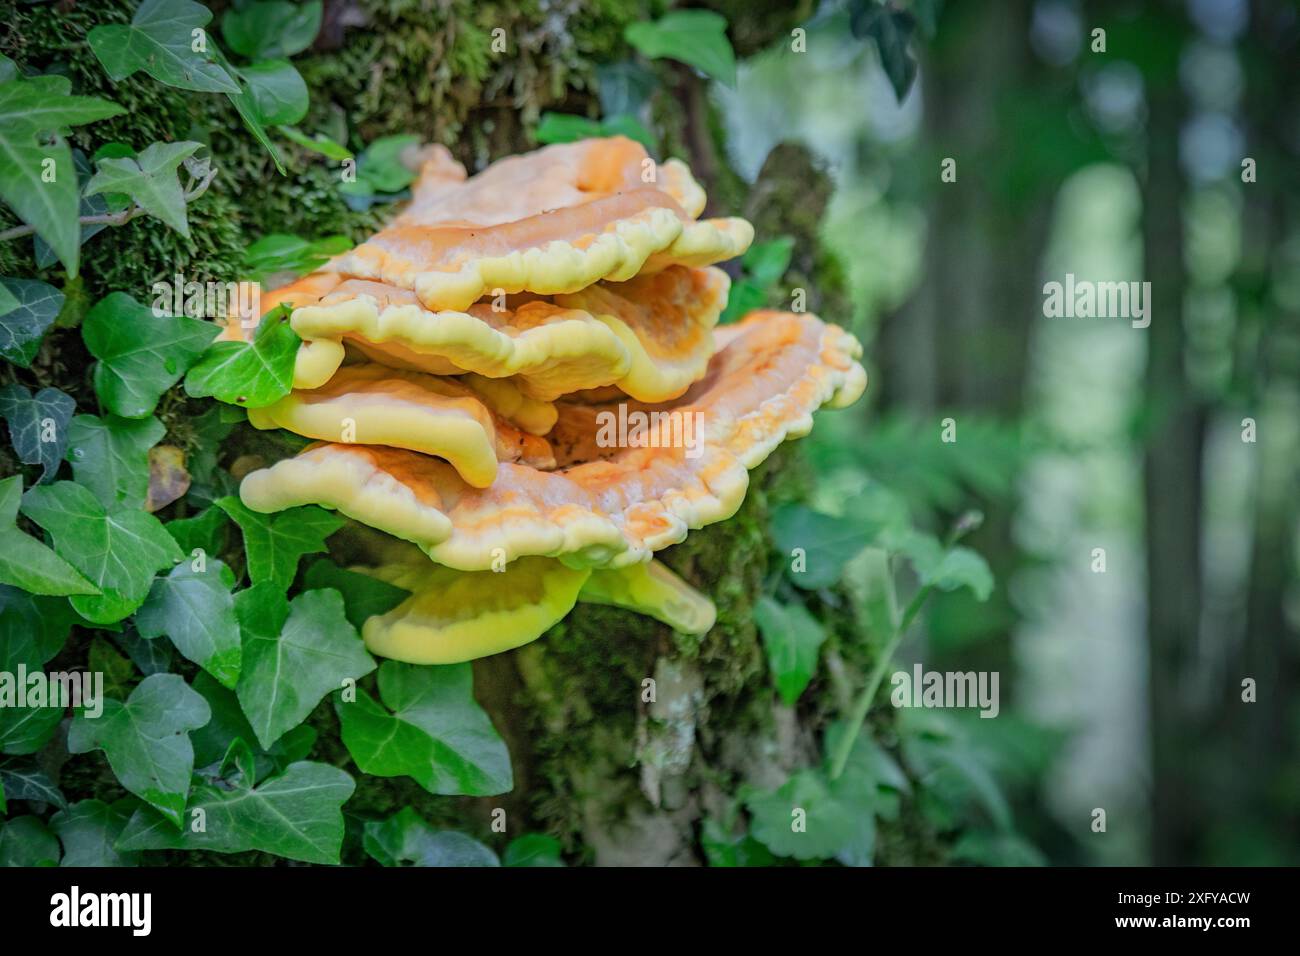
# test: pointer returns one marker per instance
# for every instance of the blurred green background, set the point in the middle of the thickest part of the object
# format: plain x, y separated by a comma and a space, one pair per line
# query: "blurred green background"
1122, 689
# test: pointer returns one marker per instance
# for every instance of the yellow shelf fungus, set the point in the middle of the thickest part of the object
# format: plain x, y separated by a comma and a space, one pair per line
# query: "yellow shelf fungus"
625, 503
374, 405
523, 376
553, 221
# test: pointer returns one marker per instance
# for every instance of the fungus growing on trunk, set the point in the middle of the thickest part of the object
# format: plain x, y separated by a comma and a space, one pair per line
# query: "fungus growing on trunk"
541, 444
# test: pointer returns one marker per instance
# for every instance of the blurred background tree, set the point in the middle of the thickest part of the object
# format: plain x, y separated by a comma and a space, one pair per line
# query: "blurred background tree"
1115, 141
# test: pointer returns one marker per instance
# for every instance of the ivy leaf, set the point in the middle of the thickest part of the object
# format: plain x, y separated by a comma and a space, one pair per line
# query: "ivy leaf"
145, 740
266, 29
160, 40
319, 143
277, 92
207, 433
436, 733
118, 551
25, 730
827, 543
33, 629
274, 543
228, 724
26, 562
151, 180
33, 309
247, 107
20, 780
197, 611
533, 849
38, 426
37, 177
294, 654
149, 657
297, 815
204, 532
86, 206
110, 456
141, 354
88, 829
891, 30
24, 841
278, 253
406, 839
697, 38
251, 374
8, 69
793, 639
363, 596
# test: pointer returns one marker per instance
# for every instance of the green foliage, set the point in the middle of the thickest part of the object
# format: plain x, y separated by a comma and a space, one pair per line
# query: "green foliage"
118, 551
429, 728
89, 830
167, 40
294, 654
270, 29
566, 128
141, 355
891, 30
363, 595
793, 639
532, 849
37, 177
697, 38
278, 253
27, 310
24, 561
38, 425
20, 780
150, 179
816, 546
405, 839
195, 609
381, 176
251, 374
145, 740
110, 456
160, 40
25, 841
295, 814
765, 263
275, 543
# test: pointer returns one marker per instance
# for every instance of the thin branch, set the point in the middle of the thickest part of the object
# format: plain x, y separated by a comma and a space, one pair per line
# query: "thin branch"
119, 218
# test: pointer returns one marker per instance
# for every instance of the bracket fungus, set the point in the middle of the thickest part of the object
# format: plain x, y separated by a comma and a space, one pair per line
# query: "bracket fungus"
553, 221
522, 375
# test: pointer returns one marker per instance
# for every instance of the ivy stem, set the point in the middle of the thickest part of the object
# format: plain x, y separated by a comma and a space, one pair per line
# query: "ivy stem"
117, 218
844, 746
